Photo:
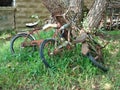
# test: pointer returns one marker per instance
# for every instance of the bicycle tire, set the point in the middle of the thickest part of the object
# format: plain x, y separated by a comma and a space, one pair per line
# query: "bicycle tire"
95, 54
15, 38
42, 51
96, 63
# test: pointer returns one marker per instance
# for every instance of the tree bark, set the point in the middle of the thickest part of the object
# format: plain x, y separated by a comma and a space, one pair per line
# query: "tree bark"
57, 7
95, 15
54, 6
77, 7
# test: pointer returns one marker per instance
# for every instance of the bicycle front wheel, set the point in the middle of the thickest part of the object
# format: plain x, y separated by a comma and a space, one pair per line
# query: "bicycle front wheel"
47, 52
16, 44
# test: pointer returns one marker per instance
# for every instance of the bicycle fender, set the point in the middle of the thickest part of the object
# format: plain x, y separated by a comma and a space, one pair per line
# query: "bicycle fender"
25, 33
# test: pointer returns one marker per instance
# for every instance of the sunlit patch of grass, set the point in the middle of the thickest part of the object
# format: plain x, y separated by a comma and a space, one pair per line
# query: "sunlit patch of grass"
116, 32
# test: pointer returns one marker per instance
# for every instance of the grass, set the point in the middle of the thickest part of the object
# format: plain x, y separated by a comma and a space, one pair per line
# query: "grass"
75, 72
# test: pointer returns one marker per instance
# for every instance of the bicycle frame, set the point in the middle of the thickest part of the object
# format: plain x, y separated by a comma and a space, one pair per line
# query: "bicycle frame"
34, 42
68, 41
32, 32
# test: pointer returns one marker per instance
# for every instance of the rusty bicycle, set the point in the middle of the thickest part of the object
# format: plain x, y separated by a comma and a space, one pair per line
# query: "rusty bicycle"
65, 39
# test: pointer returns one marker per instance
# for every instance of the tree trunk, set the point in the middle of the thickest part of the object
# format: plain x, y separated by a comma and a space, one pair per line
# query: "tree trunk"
95, 15
56, 7
77, 7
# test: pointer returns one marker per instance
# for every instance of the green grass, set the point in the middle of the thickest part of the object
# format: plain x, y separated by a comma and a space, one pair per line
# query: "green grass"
75, 72
117, 32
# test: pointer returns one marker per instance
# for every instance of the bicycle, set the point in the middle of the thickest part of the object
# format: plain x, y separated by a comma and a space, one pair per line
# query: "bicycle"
64, 40
26, 41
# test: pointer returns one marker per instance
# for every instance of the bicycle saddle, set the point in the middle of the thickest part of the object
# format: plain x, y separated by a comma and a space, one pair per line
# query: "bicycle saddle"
31, 25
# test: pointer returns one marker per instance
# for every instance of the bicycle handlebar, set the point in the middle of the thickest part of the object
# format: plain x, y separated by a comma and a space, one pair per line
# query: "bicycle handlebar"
68, 24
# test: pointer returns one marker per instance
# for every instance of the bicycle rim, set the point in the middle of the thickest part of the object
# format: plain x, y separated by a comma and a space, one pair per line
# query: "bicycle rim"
16, 46
47, 54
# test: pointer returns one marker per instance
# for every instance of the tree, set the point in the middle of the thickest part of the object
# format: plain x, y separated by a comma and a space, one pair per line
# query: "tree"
95, 14
93, 18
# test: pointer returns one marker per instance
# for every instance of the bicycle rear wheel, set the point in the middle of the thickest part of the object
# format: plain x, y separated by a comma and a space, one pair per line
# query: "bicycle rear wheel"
47, 53
95, 56
16, 44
